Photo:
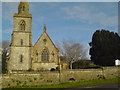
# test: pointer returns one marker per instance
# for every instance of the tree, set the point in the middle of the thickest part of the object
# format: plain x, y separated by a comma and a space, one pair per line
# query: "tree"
105, 48
5, 49
72, 50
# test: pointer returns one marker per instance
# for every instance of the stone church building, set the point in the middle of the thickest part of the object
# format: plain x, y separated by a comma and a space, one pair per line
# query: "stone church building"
25, 56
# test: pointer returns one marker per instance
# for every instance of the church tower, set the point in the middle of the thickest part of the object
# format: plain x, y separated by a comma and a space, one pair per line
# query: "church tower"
21, 43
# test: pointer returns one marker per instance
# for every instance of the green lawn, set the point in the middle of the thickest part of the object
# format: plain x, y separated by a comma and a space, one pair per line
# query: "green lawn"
72, 84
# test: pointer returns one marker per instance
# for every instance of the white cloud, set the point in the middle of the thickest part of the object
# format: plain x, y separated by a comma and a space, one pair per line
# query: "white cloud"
32, 7
53, 4
41, 18
111, 21
89, 15
63, 0
8, 10
7, 31
0, 15
119, 32
0, 35
86, 49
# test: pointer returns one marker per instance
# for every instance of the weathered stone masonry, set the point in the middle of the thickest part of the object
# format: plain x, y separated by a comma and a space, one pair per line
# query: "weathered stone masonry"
25, 56
45, 78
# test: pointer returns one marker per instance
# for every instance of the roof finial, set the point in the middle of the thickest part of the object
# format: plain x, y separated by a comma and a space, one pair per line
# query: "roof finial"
44, 27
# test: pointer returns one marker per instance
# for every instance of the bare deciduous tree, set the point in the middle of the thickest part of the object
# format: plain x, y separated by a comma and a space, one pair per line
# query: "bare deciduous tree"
5, 50
72, 50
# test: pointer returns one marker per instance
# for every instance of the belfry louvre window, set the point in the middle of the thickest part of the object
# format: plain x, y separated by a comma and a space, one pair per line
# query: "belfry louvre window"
22, 25
45, 55
23, 8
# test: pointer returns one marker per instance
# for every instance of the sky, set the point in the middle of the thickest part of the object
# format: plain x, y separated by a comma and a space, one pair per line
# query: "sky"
64, 20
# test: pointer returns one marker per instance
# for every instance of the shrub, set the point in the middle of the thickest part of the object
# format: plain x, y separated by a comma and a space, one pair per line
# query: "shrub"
57, 68
81, 64
52, 69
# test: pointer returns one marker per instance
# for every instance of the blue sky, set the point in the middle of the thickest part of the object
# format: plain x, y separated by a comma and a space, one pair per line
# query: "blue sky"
65, 20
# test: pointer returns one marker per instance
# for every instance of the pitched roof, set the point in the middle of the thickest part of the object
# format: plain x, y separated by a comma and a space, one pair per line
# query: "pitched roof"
47, 36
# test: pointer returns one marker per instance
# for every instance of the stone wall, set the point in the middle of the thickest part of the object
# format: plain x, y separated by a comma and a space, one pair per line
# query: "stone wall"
30, 79
55, 77
43, 66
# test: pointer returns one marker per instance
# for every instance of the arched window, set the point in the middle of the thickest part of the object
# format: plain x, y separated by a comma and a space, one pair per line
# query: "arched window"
21, 42
22, 25
45, 55
21, 58
36, 56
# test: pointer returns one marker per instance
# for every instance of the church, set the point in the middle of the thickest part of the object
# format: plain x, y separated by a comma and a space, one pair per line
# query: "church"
43, 55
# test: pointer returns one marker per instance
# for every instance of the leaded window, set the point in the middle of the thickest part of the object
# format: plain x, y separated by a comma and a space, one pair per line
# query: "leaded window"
45, 55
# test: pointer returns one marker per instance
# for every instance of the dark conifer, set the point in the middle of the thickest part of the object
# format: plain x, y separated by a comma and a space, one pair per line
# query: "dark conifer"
105, 48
